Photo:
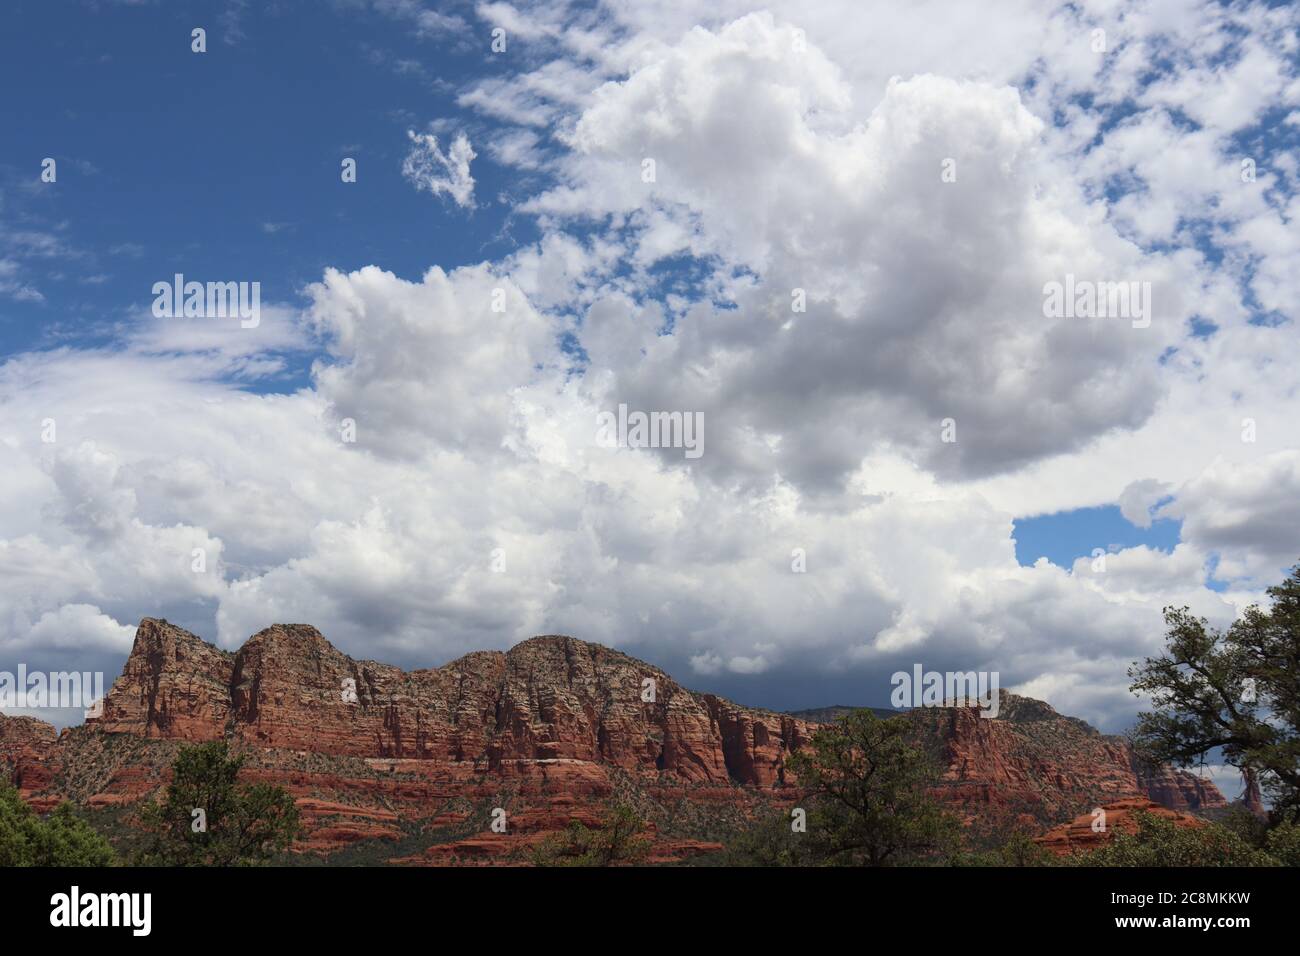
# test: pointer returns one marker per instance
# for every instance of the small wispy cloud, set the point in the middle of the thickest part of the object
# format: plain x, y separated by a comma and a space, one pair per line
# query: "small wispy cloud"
427, 167
232, 25
13, 286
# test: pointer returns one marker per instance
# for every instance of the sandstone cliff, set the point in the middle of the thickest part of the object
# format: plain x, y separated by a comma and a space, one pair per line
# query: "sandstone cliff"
549, 730
173, 685
1032, 761
27, 756
546, 698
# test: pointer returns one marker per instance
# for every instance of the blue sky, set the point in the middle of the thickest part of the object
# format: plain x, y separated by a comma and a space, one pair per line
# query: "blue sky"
225, 163
1067, 535
798, 147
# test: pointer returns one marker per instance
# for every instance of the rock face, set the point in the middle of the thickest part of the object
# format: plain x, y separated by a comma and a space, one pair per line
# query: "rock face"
1174, 788
1031, 761
1089, 831
547, 698
174, 685
27, 756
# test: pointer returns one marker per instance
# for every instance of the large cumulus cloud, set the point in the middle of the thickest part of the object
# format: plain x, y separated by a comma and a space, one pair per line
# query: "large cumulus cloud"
476, 508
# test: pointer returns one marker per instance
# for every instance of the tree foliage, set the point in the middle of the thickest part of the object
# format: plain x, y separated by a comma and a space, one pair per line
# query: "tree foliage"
207, 818
61, 839
868, 800
770, 841
1159, 841
1018, 849
617, 841
1236, 690
1283, 843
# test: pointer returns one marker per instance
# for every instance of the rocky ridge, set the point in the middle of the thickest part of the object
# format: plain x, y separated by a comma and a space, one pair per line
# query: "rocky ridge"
1032, 765
547, 698
551, 730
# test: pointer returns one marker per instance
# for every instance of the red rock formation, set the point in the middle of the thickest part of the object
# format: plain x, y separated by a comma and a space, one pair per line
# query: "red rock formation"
1079, 835
174, 685
550, 731
1176, 789
27, 757
1031, 760
548, 697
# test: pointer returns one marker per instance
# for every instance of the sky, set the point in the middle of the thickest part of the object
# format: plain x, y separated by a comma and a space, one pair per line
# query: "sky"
824, 229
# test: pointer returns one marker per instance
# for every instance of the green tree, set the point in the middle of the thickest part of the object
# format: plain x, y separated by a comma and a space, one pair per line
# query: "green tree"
1283, 844
1021, 850
1018, 849
869, 794
1161, 842
206, 818
62, 839
771, 841
1237, 690
1245, 824
617, 841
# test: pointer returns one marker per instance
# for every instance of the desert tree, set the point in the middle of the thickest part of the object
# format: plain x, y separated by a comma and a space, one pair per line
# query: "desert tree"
61, 839
618, 840
208, 818
1235, 690
870, 794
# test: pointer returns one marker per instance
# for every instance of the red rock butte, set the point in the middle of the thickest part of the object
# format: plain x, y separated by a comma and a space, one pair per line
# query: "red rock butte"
552, 730
547, 698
